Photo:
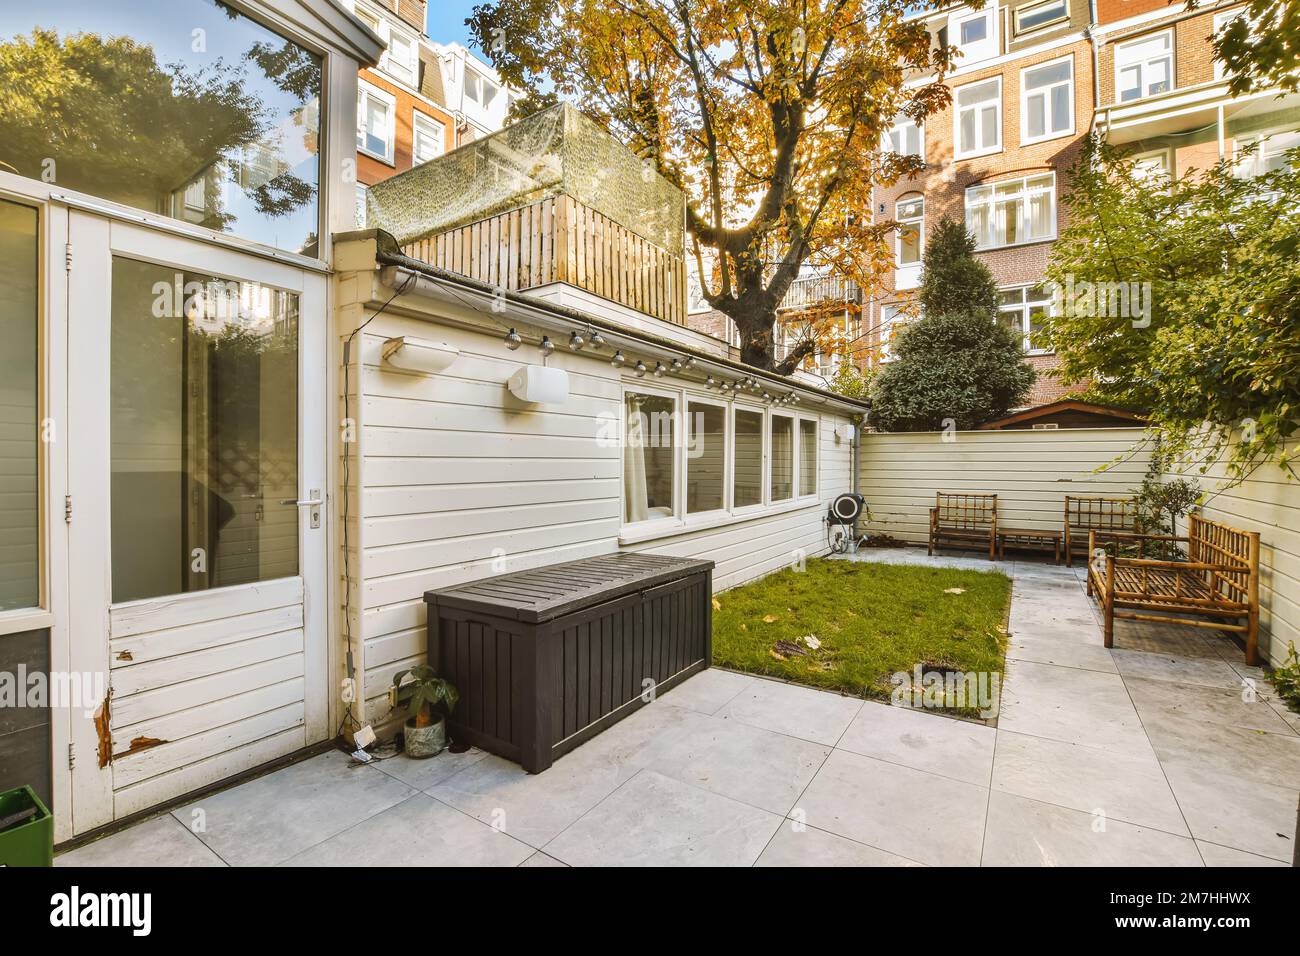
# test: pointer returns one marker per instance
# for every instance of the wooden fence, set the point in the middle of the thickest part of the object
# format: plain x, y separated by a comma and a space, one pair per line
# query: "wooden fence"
561, 240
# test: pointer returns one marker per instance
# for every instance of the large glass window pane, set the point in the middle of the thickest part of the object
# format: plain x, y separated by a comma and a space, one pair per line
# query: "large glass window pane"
19, 436
782, 457
807, 457
649, 452
185, 108
706, 451
203, 431
748, 455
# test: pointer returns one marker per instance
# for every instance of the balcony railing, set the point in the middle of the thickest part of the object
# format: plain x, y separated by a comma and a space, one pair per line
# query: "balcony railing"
812, 291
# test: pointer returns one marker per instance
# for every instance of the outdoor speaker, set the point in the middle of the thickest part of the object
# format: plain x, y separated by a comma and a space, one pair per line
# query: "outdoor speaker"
539, 385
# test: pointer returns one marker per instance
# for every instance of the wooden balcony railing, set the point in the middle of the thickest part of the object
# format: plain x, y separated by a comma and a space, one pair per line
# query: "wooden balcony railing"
561, 240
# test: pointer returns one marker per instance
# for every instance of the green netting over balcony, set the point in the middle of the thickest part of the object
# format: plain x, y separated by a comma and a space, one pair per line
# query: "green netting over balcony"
556, 151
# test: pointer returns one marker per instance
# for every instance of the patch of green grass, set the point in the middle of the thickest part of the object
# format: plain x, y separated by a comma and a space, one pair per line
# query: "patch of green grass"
870, 620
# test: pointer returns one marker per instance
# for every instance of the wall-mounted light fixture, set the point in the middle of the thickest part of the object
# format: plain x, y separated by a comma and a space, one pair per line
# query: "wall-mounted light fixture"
418, 355
547, 345
539, 385
513, 340
576, 341
618, 361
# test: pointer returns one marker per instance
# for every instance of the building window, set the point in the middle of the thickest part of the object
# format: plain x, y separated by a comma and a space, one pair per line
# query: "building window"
909, 245
375, 111
430, 138
650, 451
891, 324
361, 206
1023, 310
782, 484
1031, 16
203, 415
807, 457
975, 34
706, 457
401, 59
1012, 212
1047, 101
1269, 154
905, 138
1221, 21
20, 449
978, 117
747, 459
1144, 67
125, 111
1154, 169
479, 88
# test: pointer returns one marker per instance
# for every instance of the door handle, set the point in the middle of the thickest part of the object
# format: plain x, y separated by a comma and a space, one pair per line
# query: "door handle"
314, 503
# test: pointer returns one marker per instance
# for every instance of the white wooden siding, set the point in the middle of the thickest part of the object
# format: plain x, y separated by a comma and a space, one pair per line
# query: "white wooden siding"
459, 480
1030, 471
1267, 502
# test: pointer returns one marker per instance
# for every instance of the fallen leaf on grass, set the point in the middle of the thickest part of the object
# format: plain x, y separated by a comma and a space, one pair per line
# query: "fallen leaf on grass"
769, 618
716, 605
954, 590
779, 657
811, 641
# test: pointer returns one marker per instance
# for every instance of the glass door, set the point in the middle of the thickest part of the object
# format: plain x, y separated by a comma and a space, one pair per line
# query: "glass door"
197, 541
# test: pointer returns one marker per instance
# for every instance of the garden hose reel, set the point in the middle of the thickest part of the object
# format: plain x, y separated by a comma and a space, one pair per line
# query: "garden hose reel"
843, 516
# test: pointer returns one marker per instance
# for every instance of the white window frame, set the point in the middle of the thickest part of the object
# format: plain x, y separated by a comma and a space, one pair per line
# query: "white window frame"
1022, 312
1046, 92
1026, 8
1166, 153
407, 74
957, 111
679, 452
439, 135
978, 50
1253, 165
908, 275
772, 416
367, 90
484, 82
1026, 208
1221, 20
689, 399
900, 126
1143, 65
764, 440
799, 493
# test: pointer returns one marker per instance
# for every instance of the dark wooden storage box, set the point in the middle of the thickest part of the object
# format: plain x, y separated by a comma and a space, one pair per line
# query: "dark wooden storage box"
548, 658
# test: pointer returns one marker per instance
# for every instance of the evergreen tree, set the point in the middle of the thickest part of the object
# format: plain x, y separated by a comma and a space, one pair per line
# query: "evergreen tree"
957, 364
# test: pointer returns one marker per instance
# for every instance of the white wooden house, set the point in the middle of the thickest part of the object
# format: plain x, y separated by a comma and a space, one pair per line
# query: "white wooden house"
238, 443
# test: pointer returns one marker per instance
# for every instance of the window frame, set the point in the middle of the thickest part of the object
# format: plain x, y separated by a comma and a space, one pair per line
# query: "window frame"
1119, 65
1045, 91
1252, 166
1027, 206
40, 615
901, 123
365, 90
441, 135
799, 493
1022, 310
958, 110
682, 521
1026, 7
978, 50
1221, 19
412, 78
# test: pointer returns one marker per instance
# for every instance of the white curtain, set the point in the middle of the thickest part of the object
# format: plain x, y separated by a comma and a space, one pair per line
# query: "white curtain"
634, 478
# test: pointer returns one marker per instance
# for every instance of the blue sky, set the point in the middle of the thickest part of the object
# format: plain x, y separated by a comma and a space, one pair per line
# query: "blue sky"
445, 21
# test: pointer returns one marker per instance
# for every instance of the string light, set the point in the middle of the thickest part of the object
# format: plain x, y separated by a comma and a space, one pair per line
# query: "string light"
547, 345
513, 340
575, 341
640, 369
596, 339
659, 369
618, 361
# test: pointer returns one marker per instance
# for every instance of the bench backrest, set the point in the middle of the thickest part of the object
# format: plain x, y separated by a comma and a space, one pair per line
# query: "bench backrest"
968, 512
1100, 514
1210, 542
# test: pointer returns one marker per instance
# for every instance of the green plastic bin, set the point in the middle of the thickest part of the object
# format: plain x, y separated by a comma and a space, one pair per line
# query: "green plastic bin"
30, 843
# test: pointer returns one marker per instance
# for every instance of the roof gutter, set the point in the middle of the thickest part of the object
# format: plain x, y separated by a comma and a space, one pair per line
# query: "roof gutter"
401, 270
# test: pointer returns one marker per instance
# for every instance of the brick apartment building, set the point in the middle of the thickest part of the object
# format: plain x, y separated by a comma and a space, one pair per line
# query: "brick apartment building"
1034, 78
423, 99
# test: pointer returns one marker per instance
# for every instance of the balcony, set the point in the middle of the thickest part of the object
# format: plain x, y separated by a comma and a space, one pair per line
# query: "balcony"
1183, 109
813, 291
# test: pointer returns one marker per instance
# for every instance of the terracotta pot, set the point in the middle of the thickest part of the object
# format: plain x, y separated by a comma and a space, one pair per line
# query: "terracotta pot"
427, 741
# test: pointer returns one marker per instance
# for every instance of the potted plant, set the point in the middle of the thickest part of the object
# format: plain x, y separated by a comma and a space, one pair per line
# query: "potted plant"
428, 699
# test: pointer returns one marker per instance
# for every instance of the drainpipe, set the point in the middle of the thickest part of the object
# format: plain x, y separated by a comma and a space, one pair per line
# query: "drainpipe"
1096, 54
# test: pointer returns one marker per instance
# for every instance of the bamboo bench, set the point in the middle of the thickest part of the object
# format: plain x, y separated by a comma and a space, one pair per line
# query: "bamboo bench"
1218, 581
1106, 516
964, 521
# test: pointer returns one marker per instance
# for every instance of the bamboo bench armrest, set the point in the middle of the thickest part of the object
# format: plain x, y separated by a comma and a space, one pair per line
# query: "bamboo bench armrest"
1141, 537
1177, 565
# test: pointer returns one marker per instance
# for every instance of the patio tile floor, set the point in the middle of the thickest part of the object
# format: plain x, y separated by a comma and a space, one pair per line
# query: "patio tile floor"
1151, 753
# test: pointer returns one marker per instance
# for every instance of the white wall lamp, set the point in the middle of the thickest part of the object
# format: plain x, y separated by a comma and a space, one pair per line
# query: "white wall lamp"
539, 385
418, 355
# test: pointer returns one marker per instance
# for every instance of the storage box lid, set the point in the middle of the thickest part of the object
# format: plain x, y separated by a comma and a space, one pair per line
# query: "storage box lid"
545, 593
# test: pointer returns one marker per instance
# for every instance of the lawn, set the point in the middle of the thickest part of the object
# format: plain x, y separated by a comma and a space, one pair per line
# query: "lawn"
851, 626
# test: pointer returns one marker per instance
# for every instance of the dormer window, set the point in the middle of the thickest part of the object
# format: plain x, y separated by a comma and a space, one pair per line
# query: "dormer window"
1031, 16
975, 34
479, 89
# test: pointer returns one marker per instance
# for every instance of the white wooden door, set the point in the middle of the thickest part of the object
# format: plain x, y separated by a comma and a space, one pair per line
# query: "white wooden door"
196, 550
